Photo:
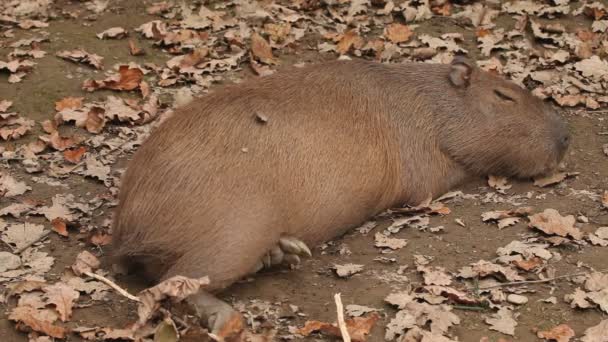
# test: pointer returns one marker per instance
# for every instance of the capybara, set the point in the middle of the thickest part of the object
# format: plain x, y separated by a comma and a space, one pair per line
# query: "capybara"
262, 169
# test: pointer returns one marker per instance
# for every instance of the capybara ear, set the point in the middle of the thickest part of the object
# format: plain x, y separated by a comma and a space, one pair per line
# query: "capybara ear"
460, 71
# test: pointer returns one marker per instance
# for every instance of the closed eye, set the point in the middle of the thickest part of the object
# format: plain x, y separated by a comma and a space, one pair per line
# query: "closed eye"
503, 96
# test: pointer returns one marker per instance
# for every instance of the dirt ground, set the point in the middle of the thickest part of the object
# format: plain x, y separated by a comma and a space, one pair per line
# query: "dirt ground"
312, 286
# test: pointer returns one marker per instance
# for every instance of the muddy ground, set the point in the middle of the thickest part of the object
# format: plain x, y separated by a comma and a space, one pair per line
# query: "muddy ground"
312, 286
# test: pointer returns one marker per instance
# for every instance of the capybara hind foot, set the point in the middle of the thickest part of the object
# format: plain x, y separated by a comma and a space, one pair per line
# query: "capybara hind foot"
288, 250
216, 315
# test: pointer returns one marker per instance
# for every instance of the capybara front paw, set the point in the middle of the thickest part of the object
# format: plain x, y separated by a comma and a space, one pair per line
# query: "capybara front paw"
287, 251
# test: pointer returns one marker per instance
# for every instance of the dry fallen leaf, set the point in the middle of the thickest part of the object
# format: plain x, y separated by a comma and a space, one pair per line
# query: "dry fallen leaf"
262, 50
69, 103
348, 40
383, 241
499, 184
59, 226
135, 50
552, 223
127, 79
502, 321
5, 105
560, 333
33, 319
435, 275
177, 288
10, 187
358, 327
62, 297
20, 235
85, 262
398, 33
577, 299
597, 333
75, 155
114, 32
13, 126
347, 270
81, 56
484, 268
553, 179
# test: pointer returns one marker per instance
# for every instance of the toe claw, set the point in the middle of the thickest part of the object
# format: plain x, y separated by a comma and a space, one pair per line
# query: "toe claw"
303, 248
288, 245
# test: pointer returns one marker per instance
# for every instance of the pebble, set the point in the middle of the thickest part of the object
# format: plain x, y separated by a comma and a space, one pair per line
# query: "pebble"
517, 299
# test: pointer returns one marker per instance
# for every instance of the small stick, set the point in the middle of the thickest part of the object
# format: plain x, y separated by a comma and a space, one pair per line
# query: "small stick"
175, 318
29, 244
112, 285
341, 323
518, 283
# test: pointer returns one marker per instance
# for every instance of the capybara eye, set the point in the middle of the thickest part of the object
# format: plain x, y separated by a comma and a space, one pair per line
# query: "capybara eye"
501, 95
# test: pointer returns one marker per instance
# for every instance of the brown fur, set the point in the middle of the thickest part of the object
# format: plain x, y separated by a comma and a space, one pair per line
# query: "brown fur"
343, 141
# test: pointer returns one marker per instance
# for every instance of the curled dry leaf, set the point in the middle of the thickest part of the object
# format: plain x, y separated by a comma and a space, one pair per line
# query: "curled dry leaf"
358, 327
81, 56
85, 262
13, 126
552, 223
114, 33
128, 78
177, 288
560, 333
262, 50
554, 179
135, 50
62, 296
90, 117
36, 321
59, 226
500, 184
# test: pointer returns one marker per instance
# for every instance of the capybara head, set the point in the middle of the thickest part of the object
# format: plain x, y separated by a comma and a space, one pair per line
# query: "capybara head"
493, 126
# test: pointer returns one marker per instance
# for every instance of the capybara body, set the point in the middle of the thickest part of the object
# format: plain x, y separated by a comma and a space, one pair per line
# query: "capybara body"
311, 152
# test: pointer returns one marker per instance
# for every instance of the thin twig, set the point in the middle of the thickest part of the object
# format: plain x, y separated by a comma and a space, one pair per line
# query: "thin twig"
29, 244
112, 285
525, 282
175, 318
341, 323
